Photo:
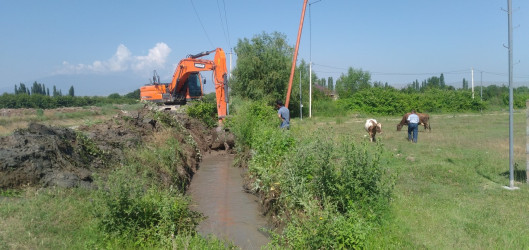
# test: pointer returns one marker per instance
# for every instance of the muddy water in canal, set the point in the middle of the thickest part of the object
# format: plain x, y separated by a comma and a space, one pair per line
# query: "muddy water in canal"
232, 214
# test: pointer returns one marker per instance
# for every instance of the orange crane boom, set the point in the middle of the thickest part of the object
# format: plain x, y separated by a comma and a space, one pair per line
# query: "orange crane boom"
295, 53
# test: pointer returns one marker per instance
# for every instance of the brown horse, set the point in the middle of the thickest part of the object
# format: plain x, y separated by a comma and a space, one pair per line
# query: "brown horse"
424, 119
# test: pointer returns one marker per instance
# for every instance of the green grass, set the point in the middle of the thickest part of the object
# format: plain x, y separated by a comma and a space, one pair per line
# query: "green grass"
48, 219
449, 190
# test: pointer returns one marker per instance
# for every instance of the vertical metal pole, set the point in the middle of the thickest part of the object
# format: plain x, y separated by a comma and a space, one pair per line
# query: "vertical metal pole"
310, 59
511, 153
527, 142
300, 103
227, 92
310, 63
472, 69
481, 83
310, 88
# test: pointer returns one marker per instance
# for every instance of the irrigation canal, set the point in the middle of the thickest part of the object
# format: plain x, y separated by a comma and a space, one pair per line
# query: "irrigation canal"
232, 214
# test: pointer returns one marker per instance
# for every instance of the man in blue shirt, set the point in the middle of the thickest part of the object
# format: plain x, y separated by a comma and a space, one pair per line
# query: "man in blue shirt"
413, 126
284, 114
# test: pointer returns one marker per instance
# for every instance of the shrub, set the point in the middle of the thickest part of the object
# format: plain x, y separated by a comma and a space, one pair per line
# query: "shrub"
134, 205
203, 111
250, 118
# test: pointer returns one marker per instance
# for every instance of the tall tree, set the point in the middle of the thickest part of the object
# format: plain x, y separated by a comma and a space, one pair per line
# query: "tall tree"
71, 91
442, 81
330, 83
263, 67
465, 84
354, 80
21, 89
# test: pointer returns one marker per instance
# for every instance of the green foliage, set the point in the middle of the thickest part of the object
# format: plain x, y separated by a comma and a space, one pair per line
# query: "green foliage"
324, 228
389, 101
133, 95
262, 70
204, 111
10, 193
329, 192
251, 117
114, 96
328, 108
87, 148
47, 102
134, 206
353, 81
143, 215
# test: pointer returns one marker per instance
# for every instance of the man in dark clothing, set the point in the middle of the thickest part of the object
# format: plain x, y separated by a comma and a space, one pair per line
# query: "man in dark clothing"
284, 114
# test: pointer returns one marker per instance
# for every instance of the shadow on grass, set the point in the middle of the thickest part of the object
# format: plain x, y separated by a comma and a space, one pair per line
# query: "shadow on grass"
519, 175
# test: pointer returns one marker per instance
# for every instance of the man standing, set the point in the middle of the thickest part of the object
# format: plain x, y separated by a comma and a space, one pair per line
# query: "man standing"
413, 126
284, 114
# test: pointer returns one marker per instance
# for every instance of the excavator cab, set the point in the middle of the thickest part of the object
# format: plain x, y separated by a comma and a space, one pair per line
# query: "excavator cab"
194, 85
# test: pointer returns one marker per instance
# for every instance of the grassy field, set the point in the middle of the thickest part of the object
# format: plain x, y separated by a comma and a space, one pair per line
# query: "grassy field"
449, 188
448, 192
67, 117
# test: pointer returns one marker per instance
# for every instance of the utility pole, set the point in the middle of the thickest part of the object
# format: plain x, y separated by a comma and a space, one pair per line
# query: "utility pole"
227, 92
481, 83
310, 60
511, 139
472, 70
300, 103
294, 59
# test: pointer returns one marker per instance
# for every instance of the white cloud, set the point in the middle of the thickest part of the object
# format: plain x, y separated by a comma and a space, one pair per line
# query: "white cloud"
122, 61
155, 58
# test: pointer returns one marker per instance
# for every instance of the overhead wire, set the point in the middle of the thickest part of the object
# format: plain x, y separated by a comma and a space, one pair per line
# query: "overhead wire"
452, 72
226, 20
222, 22
200, 21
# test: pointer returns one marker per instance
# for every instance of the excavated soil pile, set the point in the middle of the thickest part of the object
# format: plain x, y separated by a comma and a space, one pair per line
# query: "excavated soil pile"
56, 156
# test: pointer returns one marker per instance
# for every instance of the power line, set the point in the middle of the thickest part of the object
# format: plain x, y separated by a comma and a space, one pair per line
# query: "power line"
452, 72
200, 21
222, 22
226, 20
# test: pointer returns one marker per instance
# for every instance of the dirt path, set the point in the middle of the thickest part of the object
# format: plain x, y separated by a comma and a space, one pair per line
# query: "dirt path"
232, 214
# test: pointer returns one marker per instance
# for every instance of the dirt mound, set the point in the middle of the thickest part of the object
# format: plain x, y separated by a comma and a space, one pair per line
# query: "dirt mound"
56, 156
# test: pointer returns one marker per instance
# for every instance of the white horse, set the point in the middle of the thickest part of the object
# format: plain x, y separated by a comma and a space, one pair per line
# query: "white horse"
373, 127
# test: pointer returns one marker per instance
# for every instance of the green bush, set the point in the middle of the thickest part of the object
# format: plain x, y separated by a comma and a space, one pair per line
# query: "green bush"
204, 111
128, 210
134, 205
49, 102
332, 193
250, 118
324, 228
392, 102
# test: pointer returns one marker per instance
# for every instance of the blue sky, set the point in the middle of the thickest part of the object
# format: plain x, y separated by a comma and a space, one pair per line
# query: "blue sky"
103, 47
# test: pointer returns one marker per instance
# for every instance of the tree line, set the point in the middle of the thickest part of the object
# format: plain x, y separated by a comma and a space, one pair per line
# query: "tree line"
262, 73
40, 89
39, 97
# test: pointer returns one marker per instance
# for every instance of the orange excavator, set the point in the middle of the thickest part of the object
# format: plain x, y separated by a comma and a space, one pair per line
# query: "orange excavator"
187, 82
